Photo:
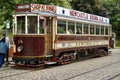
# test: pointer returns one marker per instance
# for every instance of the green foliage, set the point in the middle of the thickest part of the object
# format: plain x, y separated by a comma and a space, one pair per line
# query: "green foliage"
7, 7
7, 10
113, 8
117, 43
60, 30
89, 6
1, 27
115, 20
63, 3
106, 8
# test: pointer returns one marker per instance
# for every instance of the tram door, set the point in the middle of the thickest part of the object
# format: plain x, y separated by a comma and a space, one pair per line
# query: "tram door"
49, 35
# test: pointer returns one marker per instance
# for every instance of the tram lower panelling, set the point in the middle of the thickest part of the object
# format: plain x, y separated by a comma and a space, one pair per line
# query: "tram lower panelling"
32, 49
29, 48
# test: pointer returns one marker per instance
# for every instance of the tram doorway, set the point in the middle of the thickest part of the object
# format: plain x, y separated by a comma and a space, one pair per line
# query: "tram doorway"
49, 35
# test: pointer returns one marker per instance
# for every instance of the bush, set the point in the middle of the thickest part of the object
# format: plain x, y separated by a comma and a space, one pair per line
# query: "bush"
9, 33
117, 43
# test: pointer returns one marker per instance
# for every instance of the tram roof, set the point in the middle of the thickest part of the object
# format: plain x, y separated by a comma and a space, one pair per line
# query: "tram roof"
36, 13
51, 10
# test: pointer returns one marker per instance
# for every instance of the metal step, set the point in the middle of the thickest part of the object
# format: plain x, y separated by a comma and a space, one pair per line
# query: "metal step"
47, 56
50, 63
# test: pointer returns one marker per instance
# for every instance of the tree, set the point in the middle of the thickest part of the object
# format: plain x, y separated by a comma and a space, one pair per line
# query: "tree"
106, 8
88, 6
7, 7
62, 3
113, 9
7, 10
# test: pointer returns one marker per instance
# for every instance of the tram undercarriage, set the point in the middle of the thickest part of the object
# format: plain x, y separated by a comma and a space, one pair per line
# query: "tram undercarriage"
69, 56
64, 57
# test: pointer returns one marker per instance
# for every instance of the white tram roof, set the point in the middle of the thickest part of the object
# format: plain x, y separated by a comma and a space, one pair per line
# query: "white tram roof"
51, 10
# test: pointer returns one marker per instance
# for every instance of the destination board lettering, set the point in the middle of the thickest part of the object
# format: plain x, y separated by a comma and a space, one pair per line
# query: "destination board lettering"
40, 7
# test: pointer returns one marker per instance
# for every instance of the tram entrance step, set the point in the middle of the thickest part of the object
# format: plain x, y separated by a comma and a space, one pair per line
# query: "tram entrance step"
50, 63
47, 56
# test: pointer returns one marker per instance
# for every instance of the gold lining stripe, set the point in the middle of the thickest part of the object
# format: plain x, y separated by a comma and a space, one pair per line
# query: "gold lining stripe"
29, 56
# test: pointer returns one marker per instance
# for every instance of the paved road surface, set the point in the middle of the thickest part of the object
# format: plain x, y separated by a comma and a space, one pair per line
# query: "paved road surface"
102, 68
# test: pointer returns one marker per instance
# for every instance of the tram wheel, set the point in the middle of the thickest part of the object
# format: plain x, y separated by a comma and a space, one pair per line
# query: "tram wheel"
101, 53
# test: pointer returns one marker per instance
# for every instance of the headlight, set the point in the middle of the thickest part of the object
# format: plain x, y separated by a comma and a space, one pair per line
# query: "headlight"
20, 48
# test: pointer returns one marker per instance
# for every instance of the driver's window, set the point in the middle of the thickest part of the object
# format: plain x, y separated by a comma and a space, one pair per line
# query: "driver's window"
32, 24
21, 24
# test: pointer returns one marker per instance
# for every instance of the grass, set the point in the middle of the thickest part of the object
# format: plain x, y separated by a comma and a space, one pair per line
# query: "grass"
9, 33
117, 46
1, 27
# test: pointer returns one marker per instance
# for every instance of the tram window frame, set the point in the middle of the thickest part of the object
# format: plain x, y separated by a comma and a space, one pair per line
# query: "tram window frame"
42, 23
110, 30
86, 28
106, 30
98, 30
71, 27
61, 27
102, 30
92, 29
21, 27
79, 28
32, 25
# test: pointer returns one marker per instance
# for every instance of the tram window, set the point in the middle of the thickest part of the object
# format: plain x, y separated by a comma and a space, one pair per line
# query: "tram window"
32, 24
61, 27
102, 30
71, 27
92, 31
41, 28
21, 24
78, 28
85, 29
97, 30
106, 30
48, 24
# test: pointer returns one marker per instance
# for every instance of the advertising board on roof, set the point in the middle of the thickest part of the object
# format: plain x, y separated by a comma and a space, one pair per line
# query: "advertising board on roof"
22, 8
81, 15
60, 11
35, 8
40, 7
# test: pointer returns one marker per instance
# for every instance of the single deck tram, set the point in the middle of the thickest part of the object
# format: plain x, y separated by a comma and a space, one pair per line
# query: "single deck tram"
47, 34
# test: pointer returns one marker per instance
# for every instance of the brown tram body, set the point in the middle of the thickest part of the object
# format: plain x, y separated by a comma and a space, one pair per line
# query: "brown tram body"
46, 45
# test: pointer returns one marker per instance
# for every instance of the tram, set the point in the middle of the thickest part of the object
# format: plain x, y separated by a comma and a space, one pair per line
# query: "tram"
48, 34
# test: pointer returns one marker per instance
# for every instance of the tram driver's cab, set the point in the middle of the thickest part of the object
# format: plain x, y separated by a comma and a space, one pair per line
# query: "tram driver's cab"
33, 28
28, 24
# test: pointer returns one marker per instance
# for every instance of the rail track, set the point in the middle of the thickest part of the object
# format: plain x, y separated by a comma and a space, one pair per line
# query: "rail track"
110, 78
12, 72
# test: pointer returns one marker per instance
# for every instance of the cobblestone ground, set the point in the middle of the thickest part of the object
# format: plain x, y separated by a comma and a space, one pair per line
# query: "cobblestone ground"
102, 68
